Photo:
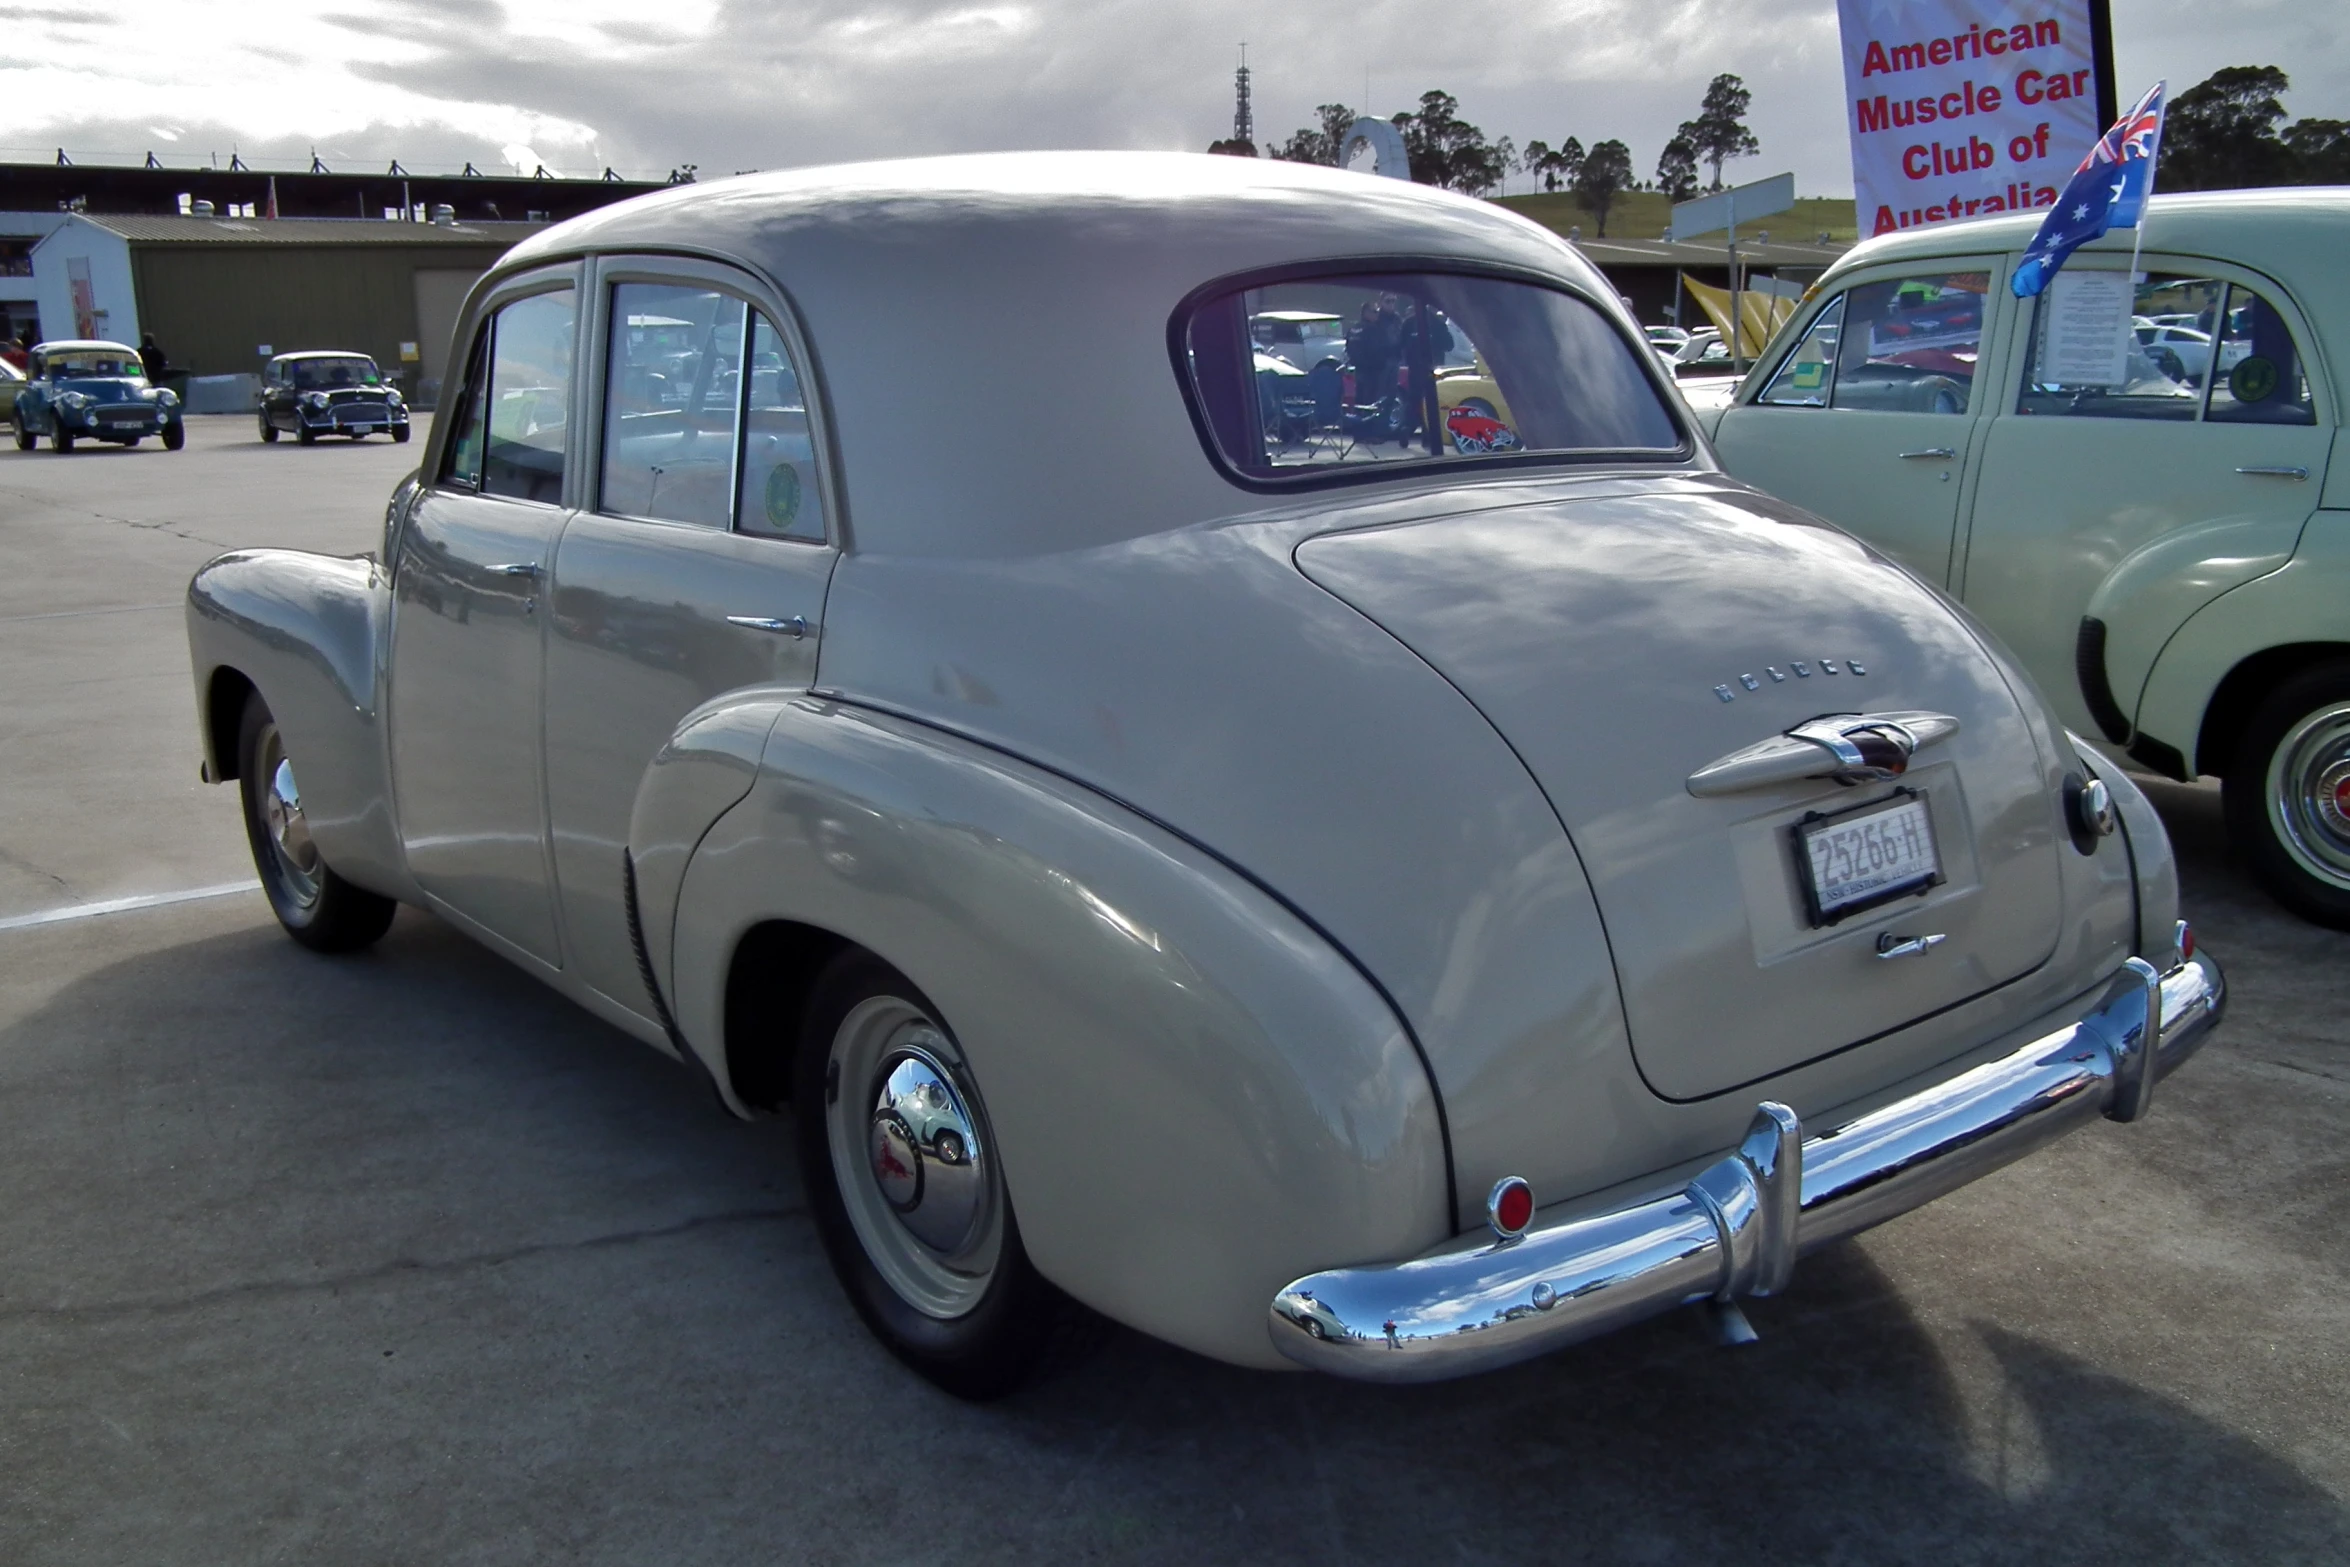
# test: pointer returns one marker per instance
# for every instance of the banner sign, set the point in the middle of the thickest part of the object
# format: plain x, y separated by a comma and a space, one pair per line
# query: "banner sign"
1961, 108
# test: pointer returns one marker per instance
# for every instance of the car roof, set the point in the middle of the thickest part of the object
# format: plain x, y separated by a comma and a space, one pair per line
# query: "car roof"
1295, 315
1106, 247
324, 353
2295, 234
83, 345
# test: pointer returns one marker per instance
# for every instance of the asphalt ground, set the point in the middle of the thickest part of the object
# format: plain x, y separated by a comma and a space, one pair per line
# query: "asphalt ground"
401, 1259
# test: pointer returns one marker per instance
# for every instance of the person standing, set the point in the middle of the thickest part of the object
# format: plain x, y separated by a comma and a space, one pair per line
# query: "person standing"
152, 356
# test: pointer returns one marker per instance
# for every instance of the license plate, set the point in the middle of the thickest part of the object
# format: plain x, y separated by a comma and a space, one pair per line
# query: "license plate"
361, 429
1862, 858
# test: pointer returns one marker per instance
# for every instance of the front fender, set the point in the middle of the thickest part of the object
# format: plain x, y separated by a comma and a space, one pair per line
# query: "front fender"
306, 631
2156, 588
2300, 603
1196, 1097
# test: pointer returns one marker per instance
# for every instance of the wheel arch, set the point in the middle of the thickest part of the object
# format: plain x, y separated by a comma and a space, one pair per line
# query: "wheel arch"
768, 980
222, 709
2240, 691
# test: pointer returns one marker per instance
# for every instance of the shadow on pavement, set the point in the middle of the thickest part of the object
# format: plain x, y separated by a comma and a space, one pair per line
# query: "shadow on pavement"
401, 1257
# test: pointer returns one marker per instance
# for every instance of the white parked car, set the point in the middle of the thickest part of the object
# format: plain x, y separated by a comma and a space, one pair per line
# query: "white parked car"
1393, 909
2169, 555
1301, 338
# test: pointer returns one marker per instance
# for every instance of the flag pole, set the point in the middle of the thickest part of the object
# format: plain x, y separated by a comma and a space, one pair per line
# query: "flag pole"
2146, 204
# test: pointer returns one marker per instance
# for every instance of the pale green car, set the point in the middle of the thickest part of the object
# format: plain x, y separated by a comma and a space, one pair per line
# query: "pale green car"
2169, 554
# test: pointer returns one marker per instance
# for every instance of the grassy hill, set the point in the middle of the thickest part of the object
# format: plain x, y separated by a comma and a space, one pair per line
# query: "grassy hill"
1643, 214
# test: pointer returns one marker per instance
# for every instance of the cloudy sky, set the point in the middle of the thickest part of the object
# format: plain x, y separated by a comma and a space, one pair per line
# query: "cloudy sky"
582, 84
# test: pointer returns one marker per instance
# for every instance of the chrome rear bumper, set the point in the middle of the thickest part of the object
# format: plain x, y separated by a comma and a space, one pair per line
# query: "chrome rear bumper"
1739, 1226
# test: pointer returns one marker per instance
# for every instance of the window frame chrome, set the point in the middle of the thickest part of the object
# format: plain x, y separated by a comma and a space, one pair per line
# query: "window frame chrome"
1338, 476
606, 270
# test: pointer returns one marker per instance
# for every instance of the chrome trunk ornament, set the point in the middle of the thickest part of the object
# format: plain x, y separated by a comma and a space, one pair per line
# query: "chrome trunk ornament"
1851, 748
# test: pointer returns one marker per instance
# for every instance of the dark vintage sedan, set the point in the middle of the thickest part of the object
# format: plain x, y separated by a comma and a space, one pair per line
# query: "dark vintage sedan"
84, 389
329, 392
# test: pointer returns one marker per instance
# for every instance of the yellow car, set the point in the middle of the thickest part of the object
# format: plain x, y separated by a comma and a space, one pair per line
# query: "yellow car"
11, 383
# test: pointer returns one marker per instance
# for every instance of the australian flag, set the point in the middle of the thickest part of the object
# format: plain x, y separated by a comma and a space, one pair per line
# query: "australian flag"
2108, 191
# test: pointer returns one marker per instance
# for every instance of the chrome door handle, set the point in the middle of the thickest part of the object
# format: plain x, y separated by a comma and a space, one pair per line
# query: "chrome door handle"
2276, 473
1937, 453
519, 568
794, 628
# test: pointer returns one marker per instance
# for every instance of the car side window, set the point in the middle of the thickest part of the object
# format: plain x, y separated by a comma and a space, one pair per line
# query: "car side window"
463, 465
2260, 377
1910, 345
778, 495
1809, 374
672, 403
2163, 363
529, 395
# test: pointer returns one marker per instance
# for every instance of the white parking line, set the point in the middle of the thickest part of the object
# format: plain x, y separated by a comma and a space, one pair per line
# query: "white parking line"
77, 614
151, 900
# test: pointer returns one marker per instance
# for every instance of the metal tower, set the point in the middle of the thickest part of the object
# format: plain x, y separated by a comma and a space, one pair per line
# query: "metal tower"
1244, 123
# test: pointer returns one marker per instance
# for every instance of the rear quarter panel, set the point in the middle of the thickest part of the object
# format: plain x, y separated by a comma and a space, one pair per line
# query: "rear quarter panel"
1196, 1098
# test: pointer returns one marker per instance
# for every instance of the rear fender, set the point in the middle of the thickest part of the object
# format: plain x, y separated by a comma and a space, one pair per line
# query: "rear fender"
2155, 590
306, 631
2299, 604
1195, 1097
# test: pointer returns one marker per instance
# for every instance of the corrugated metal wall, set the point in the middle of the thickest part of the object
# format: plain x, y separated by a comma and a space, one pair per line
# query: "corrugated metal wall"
212, 306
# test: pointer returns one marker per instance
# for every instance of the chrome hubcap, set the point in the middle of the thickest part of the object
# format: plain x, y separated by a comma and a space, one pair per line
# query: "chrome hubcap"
281, 814
910, 1152
2309, 794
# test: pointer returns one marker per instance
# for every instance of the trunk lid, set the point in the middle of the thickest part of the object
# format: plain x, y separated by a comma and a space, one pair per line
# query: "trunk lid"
1598, 634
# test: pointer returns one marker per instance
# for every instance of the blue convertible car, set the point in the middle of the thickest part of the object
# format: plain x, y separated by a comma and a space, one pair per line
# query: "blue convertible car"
85, 389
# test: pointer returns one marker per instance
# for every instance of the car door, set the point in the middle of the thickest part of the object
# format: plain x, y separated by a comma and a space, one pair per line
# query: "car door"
467, 629
2076, 478
697, 565
1869, 418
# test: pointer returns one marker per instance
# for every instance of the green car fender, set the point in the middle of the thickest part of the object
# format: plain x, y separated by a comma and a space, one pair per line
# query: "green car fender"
2303, 603
2158, 587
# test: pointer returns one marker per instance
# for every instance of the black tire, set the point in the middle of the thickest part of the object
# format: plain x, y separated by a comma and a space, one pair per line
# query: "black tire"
2287, 794
175, 436
400, 433
268, 430
25, 439
59, 440
304, 435
1018, 1321
318, 908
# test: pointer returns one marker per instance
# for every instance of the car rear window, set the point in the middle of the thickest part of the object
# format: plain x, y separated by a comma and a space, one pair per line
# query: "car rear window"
1417, 368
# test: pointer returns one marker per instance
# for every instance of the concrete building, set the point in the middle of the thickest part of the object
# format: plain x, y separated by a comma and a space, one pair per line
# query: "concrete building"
223, 294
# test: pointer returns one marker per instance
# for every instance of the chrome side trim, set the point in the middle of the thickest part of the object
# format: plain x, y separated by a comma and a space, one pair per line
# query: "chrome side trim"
1737, 1229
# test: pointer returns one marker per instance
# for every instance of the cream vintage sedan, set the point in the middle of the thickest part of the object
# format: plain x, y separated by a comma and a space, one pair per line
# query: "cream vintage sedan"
2166, 548
1389, 912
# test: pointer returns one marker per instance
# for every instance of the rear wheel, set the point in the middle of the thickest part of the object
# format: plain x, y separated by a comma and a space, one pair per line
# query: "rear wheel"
2287, 794
906, 1185
24, 437
318, 908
